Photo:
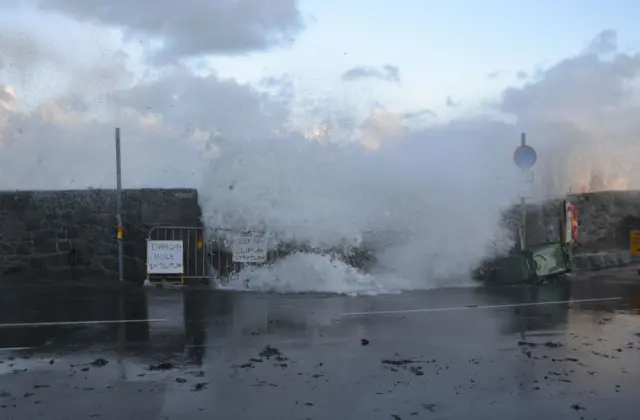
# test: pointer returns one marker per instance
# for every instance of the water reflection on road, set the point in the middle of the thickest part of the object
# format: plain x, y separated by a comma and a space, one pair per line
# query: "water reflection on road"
182, 319
489, 345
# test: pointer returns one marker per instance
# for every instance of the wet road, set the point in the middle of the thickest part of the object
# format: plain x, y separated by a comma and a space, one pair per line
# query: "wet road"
522, 352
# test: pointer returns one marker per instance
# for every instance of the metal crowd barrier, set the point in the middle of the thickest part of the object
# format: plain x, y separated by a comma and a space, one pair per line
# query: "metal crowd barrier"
207, 254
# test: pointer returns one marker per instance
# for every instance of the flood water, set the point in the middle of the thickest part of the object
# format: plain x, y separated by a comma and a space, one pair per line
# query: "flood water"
566, 350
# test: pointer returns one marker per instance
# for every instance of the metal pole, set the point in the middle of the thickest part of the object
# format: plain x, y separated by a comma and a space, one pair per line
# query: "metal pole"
523, 222
523, 206
119, 208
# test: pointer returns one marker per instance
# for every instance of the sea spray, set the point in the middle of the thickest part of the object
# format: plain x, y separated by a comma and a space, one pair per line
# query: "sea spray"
427, 220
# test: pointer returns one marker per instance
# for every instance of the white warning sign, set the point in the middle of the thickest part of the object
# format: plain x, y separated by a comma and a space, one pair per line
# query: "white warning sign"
249, 248
165, 257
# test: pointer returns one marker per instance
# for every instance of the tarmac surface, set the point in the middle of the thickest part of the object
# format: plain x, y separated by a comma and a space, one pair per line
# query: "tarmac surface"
565, 350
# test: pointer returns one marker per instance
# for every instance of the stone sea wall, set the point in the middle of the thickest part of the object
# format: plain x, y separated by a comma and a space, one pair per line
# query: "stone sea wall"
605, 220
52, 235
72, 234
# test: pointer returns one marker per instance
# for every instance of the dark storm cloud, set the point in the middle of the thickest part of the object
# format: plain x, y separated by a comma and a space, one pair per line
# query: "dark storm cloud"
193, 27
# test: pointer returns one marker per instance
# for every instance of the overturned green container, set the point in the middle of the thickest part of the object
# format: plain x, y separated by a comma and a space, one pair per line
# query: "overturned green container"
537, 263
550, 259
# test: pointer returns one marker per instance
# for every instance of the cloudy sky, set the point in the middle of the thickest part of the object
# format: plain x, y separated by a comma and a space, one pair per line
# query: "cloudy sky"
182, 78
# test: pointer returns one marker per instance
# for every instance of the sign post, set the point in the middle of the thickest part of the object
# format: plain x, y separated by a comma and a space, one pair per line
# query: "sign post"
524, 157
119, 208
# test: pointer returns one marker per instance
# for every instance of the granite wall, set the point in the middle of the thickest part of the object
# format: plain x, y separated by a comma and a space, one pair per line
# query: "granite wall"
605, 219
72, 234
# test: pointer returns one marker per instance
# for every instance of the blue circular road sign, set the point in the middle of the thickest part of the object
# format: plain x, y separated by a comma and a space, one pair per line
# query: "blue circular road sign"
525, 157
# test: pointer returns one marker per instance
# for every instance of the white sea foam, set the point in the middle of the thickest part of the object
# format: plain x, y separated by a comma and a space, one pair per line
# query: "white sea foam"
306, 272
430, 214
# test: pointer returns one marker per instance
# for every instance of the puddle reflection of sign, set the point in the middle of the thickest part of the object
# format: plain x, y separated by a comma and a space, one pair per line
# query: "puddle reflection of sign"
249, 249
634, 241
165, 257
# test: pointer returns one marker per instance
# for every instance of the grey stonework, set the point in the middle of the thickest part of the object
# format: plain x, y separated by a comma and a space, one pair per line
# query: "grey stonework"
603, 260
605, 219
72, 234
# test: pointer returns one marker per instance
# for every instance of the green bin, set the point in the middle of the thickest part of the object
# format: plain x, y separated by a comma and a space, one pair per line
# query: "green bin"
535, 264
550, 259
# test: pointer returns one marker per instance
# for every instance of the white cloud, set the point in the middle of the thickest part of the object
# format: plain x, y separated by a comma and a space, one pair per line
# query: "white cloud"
64, 143
59, 110
7, 97
381, 126
208, 103
581, 114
